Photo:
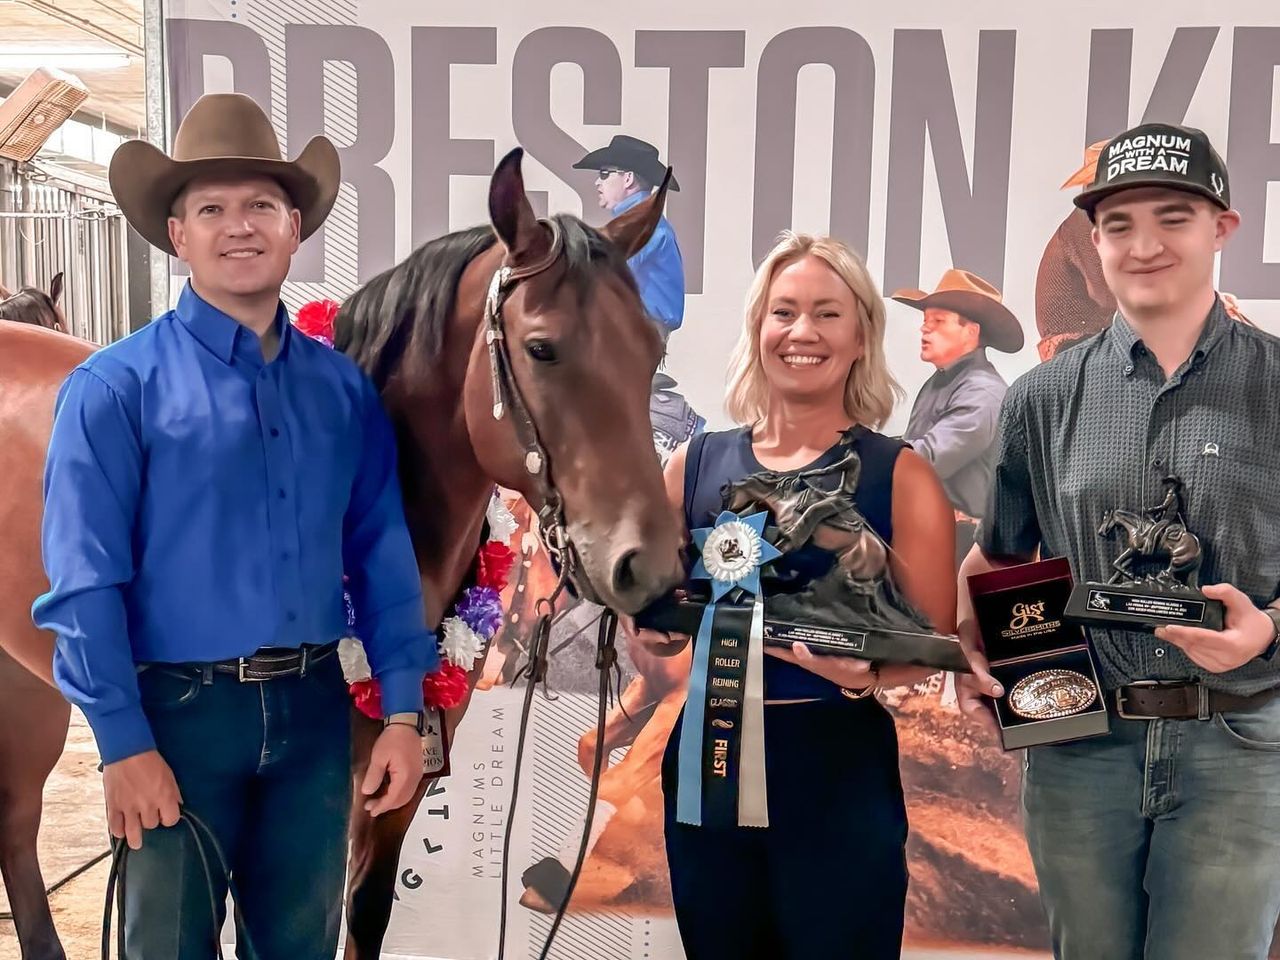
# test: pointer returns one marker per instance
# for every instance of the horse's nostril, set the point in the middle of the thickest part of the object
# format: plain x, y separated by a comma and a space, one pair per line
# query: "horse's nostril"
624, 575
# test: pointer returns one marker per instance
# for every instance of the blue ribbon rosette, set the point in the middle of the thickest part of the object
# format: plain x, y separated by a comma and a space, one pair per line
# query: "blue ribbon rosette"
721, 754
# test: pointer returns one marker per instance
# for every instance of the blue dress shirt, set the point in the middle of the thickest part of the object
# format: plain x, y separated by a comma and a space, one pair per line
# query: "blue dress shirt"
659, 270
201, 503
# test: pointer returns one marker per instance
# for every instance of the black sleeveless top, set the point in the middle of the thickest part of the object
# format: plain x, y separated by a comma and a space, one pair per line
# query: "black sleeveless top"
723, 457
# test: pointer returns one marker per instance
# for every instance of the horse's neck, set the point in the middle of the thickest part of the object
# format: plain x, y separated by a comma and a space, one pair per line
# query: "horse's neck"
445, 490
445, 513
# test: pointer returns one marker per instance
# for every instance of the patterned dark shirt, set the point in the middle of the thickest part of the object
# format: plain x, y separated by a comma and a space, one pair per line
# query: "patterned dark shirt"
1099, 427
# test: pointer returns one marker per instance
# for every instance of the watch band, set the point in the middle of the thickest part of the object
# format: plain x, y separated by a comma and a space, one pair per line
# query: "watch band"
416, 720
1273, 648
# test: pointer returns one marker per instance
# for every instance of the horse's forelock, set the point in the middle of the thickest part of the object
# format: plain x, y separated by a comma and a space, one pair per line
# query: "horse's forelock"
587, 252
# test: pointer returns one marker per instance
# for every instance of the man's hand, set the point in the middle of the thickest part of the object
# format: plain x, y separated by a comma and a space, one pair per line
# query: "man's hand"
141, 794
396, 758
973, 689
1246, 633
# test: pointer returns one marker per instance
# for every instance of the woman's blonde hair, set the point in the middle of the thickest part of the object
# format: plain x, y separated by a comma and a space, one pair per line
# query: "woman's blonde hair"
871, 391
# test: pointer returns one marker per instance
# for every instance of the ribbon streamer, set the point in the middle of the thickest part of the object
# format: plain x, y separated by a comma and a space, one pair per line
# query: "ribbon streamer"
726, 682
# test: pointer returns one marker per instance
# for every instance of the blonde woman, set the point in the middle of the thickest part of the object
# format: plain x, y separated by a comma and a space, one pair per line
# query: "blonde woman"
827, 878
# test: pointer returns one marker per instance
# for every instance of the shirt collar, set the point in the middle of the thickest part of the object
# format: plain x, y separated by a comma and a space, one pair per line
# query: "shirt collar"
1127, 340
630, 202
219, 333
975, 357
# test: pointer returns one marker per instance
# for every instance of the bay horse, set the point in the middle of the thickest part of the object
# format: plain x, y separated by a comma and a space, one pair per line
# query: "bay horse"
32, 305
33, 714
574, 369
580, 356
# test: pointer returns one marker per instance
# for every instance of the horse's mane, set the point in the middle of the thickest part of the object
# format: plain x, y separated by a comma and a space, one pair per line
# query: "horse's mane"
29, 305
405, 310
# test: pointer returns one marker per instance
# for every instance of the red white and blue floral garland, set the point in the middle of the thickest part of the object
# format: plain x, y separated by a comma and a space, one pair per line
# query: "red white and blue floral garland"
477, 615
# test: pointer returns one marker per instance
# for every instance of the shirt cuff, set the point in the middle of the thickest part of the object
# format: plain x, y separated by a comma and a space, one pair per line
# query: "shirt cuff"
401, 690
121, 733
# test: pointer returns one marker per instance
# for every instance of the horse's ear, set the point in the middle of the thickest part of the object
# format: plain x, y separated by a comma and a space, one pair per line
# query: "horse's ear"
631, 230
55, 288
511, 214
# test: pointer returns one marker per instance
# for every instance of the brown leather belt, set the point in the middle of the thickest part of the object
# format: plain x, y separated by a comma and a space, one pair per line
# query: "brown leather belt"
1164, 700
268, 664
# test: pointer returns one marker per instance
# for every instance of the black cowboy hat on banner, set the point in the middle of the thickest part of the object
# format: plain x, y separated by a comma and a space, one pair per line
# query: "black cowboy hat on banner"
628, 153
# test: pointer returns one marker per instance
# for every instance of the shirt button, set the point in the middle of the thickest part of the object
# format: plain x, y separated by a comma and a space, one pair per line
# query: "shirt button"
282, 494
275, 432
1159, 651
1128, 368
1158, 462
292, 616
284, 555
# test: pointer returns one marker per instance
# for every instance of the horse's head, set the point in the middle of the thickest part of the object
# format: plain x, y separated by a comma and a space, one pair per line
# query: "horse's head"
1107, 524
31, 305
582, 356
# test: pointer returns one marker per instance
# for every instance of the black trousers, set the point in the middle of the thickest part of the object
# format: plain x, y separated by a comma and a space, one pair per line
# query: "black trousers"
827, 878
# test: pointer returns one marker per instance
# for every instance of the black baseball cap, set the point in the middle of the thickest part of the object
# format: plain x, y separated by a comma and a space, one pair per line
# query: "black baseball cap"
1158, 155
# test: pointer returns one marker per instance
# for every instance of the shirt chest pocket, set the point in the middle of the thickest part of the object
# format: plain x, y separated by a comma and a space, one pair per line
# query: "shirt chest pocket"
1238, 512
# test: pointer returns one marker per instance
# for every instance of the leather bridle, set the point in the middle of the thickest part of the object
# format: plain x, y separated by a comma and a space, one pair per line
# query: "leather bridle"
554, 534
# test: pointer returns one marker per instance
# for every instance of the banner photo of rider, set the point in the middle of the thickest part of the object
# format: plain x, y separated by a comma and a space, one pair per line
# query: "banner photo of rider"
946, 148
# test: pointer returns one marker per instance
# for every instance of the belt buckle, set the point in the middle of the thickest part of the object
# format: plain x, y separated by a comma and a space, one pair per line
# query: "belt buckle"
243, 665
1125, 715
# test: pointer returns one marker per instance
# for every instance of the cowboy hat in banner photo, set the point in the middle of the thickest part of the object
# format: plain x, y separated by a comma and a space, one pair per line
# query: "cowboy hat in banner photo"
974, 299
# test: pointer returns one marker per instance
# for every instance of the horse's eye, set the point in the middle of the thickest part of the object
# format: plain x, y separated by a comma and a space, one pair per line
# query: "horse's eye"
541, 350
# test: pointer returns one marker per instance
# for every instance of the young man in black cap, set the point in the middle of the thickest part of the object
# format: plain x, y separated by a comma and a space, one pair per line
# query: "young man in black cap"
627, 170
1160, 839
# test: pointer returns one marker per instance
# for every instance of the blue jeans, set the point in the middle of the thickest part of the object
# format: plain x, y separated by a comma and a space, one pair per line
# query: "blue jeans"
267, 766
1161, 840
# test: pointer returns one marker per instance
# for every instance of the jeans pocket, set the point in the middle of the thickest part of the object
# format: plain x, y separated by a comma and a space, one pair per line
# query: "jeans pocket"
167, 688
1253, 729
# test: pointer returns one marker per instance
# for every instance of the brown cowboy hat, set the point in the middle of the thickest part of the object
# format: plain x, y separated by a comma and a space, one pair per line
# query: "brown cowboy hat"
974, 299
1084, 176
223, 134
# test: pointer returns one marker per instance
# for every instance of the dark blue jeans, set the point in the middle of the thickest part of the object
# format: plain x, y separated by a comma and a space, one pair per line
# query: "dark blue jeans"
267, 767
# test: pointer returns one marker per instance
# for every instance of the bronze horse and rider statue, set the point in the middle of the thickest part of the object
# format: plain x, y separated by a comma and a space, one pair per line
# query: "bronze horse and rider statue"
1155, 533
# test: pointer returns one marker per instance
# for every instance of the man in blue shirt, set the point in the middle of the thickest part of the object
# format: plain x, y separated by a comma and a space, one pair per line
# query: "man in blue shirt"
627, 170
209, 481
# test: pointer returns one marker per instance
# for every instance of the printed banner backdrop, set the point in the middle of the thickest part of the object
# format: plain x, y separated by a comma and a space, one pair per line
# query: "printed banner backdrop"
938, 138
